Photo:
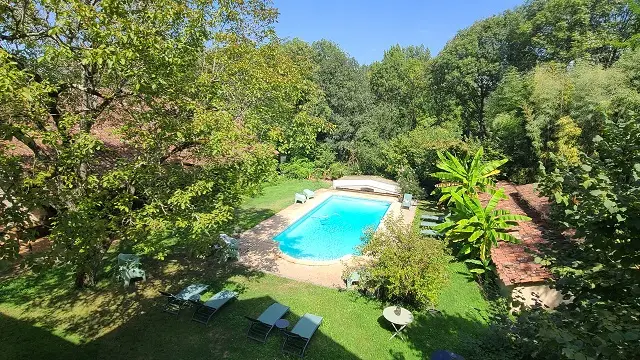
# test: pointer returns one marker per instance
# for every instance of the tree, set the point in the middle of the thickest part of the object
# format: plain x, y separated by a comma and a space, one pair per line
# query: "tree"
472, 64
347, 93
402, 266
270, 89
401, 79
479, 227
124, 140
597, 198
566, 30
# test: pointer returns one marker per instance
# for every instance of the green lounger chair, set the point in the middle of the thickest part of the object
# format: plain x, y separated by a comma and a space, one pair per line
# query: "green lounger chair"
428, 224
298, 338
177, 302
262, 326
435, 218
205, 310
308, 193
432, 233
406, 201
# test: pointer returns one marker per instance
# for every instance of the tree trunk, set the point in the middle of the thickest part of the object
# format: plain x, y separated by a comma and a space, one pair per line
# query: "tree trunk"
81, 275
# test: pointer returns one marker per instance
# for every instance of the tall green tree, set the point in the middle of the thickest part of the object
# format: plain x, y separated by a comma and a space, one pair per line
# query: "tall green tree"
123, 136
346, 90
400, 79
472, 64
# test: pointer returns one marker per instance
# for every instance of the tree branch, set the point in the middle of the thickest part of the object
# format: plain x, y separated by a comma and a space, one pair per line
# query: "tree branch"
28, 142
178, 148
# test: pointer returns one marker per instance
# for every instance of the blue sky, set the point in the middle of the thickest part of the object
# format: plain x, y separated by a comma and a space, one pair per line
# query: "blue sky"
365, 29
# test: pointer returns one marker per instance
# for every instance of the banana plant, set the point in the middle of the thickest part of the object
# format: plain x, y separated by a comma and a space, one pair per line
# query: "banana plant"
468, 176
479, 227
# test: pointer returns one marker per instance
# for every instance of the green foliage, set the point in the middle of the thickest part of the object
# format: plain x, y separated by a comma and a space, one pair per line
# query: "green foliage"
270, 87
409, 184
300, 168
472, 64
133, 132
478, 227
401, 79
405, 267
418, 150
597, 198
467, 176
338, 170
558, 110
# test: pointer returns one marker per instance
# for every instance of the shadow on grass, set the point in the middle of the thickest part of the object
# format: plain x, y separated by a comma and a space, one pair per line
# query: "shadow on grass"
150, 333
49, 299
431, 332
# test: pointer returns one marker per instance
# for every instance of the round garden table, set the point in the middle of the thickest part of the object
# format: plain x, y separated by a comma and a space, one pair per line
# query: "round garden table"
399, 317
282, 324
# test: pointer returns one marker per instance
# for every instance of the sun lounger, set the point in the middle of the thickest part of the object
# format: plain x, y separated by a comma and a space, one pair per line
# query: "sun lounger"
298, 338
432, 218
406, 201
300, 197
428, 224
432, 233
308, 193
205, 310
177, 302
262, 326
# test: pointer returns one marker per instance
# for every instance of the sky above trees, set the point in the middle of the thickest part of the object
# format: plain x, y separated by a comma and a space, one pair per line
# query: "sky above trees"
365, 29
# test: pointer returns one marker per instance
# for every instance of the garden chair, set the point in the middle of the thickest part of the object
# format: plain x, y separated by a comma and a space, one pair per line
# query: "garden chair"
129, 268
177, 302
230, 249
300, 197
354, 277
205, 310
406, 201
308, 193
298, 338
262, 326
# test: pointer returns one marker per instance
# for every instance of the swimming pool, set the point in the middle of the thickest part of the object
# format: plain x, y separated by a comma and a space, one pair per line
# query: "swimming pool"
332, 229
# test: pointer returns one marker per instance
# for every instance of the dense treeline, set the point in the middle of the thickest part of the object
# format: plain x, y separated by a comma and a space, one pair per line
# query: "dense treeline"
532, 81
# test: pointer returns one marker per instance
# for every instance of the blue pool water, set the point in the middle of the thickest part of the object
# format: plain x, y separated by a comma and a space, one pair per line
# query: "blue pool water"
333, 229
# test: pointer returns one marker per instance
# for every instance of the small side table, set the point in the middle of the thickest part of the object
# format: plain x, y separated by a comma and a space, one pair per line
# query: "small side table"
399, 318
282, 324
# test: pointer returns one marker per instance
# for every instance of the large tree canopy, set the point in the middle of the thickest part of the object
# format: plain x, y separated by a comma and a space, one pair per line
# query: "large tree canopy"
129, 130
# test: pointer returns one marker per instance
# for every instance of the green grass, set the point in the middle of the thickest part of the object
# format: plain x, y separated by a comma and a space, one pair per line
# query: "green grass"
274, 197
48, 319
42, 316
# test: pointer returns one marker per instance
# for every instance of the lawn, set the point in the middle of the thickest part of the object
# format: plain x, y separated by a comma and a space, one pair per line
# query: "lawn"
42, 316
274, 197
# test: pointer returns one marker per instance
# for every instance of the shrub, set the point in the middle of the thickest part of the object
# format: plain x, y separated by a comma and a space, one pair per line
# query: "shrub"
409, 184
418, 150
479, 227
337, 170
297, 169
402, 266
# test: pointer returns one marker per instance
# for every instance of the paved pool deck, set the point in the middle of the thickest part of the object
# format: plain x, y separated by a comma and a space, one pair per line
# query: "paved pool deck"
259, 251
